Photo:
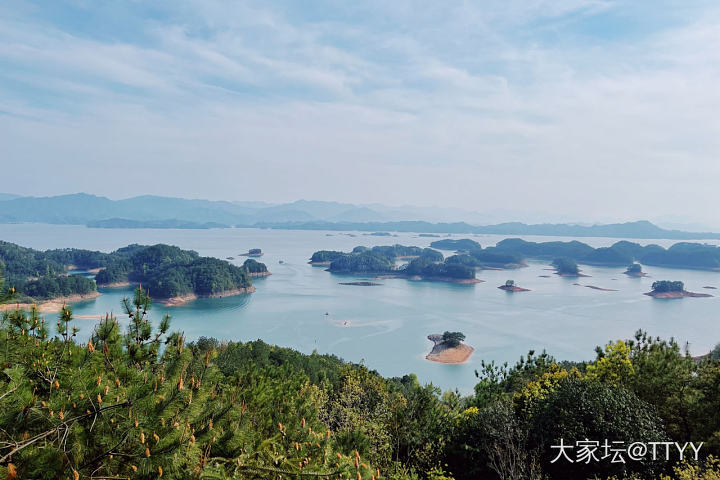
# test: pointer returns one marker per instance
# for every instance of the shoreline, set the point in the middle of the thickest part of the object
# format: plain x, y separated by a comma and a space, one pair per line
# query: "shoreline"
115, 285
595, 287
671, 295
571, 275
183, 299
636, 274
259, 274
441, 353
414, 278
53, 305
513, 288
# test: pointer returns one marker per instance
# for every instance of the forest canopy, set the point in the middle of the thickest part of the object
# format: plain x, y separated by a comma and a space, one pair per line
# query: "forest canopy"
168, 270
122, 406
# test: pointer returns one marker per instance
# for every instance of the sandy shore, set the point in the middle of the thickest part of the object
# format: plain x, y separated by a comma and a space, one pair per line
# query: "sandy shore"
594, 287
260, 274
682, 294
513, 289
444, 354
176, 301
51, 306
114, 285
636, 274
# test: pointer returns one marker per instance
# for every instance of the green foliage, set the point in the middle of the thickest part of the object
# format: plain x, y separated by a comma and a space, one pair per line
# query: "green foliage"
365, 262
613, 365
326, 256
634, 268
668, 286
576, 410
252, 266
122, 407
463, 259
58, 286
425, 267
565, 266
168, 271
452, 339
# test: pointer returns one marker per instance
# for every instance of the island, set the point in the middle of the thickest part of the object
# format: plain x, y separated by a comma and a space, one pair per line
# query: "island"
635, 270
666, 289
56, 277
324, 257
255, 268
253, 252
511, 287
566, 267
175, 276
448, 348
463, 245
424, 264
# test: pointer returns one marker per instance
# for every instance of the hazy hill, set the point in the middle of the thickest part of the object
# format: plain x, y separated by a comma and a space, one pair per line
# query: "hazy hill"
150, 211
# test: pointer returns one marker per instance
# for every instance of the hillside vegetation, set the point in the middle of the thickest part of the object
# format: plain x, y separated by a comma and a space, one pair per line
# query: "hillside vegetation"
138, 401
167, 270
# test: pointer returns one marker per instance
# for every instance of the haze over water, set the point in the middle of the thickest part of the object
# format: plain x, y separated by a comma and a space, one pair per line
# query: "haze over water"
386, 326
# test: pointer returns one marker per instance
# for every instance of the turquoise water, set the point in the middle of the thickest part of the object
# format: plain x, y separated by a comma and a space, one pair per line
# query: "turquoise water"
385, 326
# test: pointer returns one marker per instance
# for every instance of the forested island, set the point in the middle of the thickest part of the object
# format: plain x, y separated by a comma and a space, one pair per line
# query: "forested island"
424, 263
672, 289
635, 270
511, 252
141, 401
566, 267
168, 271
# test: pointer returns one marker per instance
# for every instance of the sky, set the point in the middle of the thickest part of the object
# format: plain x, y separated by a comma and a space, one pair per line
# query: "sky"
587, 109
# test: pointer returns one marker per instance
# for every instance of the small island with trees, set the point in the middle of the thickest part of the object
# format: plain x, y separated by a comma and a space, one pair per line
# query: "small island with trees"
253, 252
448, 348
635, 270
510, 286
566, 267
672, 289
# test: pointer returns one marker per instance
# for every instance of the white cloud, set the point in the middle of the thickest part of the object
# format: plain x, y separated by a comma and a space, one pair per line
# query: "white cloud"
469, 106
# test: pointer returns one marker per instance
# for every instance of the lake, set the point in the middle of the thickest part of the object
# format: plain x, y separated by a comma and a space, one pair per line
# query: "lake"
386, 326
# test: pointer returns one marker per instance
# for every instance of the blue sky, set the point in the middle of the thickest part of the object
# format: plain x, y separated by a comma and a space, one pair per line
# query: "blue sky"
579, 109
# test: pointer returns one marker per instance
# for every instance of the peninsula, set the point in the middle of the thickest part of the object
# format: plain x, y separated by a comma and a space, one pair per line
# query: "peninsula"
55, 277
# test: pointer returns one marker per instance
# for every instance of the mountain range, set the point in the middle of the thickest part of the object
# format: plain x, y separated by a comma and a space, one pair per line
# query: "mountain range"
149, 211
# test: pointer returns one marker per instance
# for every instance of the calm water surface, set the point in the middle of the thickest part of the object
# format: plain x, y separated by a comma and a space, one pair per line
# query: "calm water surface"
385, 326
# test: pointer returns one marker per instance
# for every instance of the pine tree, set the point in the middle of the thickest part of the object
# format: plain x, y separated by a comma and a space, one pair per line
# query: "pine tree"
144, 405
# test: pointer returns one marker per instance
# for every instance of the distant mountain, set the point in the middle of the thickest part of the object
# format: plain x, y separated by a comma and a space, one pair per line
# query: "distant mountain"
8, 196
173, 223
639, 229
150, 211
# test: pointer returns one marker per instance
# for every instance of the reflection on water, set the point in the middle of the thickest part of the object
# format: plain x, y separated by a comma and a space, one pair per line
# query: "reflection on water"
386, 326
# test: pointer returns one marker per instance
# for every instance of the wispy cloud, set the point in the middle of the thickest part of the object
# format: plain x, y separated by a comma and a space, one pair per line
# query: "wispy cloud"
584, 108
